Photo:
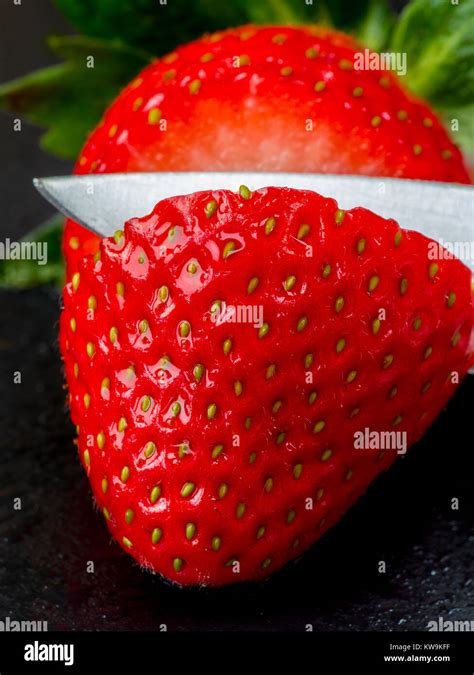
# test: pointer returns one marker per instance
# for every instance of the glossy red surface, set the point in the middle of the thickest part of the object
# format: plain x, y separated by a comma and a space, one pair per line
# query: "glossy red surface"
173, 451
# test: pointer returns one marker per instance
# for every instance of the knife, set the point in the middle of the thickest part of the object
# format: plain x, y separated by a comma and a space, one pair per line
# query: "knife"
103, 202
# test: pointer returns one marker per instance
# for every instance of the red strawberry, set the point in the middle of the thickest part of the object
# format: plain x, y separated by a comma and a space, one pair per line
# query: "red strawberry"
209, 443
269, 99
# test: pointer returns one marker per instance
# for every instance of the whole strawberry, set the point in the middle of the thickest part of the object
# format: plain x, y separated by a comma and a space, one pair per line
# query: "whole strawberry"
279, 98
224, 354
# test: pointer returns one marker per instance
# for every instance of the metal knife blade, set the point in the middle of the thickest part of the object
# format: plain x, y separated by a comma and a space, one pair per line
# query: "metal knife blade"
103, 202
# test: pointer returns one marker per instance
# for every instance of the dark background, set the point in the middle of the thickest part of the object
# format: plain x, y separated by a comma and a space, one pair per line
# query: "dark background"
405, 519
22, 49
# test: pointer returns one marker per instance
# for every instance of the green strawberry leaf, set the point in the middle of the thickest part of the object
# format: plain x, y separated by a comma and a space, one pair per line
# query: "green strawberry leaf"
152, 25
158, 28
460, 124
437, 37
271, 12
69, 99
370, 21
25, 273
375, 25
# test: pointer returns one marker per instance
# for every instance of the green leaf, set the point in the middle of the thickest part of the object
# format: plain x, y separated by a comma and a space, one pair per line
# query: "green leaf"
26, 273
374, 28
437, 37
69, 99
274, 12
149, 24
463, 135
159, 28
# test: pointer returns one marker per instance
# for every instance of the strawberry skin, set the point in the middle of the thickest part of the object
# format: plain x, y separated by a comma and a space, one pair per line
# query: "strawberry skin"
266, 99
211, 443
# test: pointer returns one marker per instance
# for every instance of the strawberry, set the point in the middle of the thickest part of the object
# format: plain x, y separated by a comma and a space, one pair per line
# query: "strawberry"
219, 446
274, 99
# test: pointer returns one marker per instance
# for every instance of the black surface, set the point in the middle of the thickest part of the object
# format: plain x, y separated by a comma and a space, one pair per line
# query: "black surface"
405, 519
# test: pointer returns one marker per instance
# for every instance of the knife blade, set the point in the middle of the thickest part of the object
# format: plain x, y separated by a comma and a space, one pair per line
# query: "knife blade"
103, 202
